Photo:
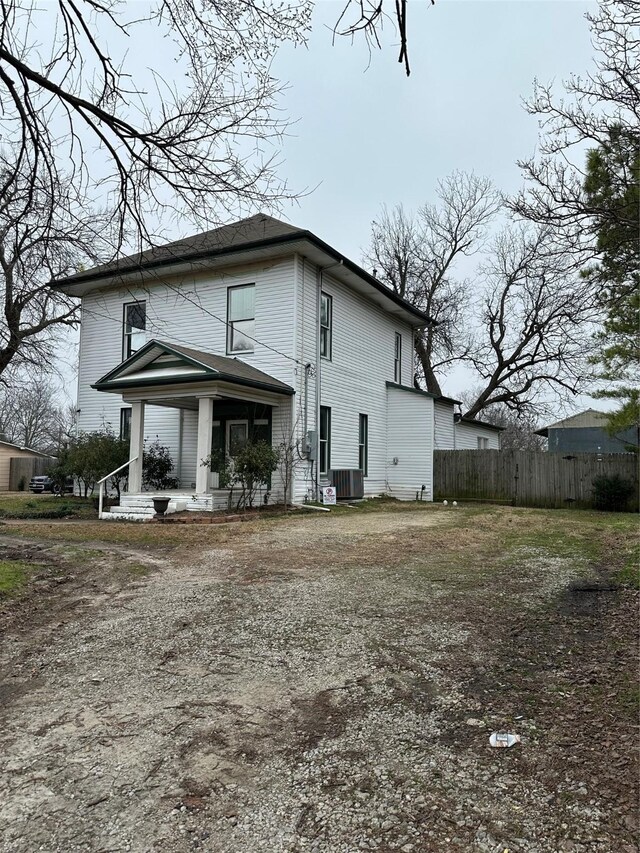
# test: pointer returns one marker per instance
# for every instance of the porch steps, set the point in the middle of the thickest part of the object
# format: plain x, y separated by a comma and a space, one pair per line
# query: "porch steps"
140, 508
218, 499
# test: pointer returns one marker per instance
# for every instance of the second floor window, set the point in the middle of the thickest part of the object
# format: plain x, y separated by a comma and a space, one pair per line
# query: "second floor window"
397, 363
134, 328
241, 318
326, 320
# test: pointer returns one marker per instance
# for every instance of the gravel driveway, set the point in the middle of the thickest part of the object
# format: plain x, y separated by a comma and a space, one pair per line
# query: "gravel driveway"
308, 685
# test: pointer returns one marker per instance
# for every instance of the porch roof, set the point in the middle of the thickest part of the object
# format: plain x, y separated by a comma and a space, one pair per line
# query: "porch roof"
159, 363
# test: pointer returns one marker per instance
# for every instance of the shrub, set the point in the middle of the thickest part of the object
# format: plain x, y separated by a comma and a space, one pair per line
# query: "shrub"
611, 492
89, 458
157, 465
250, 468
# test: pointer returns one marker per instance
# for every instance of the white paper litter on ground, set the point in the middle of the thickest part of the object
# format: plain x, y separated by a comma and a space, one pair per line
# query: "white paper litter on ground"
502, 739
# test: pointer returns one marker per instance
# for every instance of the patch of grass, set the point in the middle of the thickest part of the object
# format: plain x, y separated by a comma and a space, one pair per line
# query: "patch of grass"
629, 698
46, 506
13, 576
145, 535
137, 569
629, 574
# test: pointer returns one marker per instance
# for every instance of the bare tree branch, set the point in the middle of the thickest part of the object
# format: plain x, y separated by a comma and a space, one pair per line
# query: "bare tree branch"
198, 142
417, 257
45, 231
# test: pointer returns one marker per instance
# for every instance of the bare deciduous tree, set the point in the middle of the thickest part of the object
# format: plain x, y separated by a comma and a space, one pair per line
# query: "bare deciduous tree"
418, 258
536, 322
527, 330
519, 427
579, 120
366, 18
31, 414
47, 230
191, 136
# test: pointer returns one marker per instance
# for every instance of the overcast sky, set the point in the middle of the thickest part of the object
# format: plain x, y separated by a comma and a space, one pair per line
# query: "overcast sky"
367, 135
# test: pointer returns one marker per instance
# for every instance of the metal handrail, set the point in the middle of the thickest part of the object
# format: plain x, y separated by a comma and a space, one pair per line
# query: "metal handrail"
104, 479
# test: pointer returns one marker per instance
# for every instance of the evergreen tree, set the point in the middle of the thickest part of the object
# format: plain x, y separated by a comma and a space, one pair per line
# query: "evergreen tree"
613, 195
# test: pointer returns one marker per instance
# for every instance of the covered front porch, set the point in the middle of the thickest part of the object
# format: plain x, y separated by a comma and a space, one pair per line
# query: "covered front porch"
213, 404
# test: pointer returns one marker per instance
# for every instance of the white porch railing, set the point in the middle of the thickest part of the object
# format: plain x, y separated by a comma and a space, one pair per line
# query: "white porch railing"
103, 481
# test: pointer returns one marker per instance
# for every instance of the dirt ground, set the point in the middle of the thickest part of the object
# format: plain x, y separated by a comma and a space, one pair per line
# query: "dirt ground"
321, 683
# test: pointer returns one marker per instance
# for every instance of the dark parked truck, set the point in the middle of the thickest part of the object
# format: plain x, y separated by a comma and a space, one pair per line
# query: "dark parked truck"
37, 485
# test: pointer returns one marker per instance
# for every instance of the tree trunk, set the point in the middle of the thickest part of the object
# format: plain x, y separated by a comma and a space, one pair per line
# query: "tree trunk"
433, 386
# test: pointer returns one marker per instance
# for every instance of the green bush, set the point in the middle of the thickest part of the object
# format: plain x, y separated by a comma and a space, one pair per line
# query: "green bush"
89, 458
56, 512
611, 492
250, 468
157, 466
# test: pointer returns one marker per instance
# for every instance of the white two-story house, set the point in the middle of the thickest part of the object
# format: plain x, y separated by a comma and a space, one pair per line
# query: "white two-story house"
254, 330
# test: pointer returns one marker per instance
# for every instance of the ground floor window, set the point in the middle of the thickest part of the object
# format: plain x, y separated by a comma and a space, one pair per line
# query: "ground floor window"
325, 439
483, 443
363, 445
125, 424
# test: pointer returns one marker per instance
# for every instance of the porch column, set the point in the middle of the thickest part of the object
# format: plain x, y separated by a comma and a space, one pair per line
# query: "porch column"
136, 447
205, 427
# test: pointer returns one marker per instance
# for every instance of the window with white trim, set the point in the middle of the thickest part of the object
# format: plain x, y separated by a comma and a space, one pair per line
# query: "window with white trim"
326, 323
397, 363
483, 443
241, 318
134, 327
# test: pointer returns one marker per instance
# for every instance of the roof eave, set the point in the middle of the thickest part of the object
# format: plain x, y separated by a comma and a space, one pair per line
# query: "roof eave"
115, 387
192, 257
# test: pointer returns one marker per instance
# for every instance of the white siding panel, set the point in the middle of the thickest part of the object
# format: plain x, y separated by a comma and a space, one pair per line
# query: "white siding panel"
467, 437
354, 381
190, 311
443, 414
410, 443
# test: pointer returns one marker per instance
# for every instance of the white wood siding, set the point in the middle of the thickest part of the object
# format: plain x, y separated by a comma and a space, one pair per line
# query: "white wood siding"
183, 311
443, 414
410, 443
354, 381
467, 437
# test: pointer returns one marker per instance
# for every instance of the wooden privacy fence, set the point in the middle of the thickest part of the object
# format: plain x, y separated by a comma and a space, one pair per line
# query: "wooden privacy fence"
527, 477
23, 468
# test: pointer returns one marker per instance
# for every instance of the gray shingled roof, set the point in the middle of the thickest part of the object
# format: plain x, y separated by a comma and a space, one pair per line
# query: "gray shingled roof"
231, 367
226, 368
254, 233
238, 235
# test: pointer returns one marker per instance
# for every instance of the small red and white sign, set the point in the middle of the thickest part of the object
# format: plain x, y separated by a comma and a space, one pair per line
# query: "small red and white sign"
329, 495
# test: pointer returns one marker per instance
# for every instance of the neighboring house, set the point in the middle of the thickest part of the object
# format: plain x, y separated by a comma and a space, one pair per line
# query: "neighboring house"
257, 329
454, 432
10, 451
586, 433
